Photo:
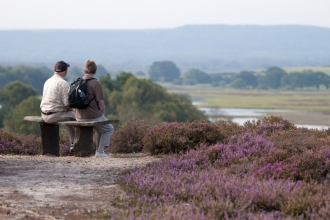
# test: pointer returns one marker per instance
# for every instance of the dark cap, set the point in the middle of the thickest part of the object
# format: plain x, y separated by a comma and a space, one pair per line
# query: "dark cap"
61, 66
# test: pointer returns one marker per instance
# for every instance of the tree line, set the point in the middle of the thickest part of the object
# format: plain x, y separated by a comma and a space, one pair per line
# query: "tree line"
271, 78
126, 97
33, 76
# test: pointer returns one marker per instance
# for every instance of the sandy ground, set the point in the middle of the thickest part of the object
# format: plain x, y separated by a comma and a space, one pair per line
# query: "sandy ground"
43, 187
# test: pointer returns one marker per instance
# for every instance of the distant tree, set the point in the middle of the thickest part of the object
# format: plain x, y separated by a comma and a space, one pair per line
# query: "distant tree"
248, 77
28, 75
165, 71
216, 77
305, 79
142, 99
197, 75
15, 92
121, 80
272, 78
227, 77
13, 121
320, 78
74, 73
4, 111
111, 87
294, 80
101, 71
107, 82
238, 84
11, 95
117, 84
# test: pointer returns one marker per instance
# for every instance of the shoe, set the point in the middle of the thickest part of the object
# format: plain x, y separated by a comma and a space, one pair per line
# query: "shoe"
98, 154
71, 148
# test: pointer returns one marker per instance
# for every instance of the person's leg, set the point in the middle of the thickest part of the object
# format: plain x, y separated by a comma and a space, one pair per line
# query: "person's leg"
105, 131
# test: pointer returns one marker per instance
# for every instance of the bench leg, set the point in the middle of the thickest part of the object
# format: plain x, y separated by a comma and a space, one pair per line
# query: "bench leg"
50, 137
84, 141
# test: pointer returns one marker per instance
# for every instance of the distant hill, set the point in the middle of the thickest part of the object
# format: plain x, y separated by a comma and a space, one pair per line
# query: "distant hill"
208, 47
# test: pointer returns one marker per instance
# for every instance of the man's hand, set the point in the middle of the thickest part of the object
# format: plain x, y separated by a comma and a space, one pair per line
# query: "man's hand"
68, 108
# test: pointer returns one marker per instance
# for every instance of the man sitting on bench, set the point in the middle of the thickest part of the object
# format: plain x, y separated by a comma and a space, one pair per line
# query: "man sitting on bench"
54, 103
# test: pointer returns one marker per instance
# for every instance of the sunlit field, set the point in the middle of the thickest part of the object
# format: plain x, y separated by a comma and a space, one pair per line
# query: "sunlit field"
208, 96
325, 69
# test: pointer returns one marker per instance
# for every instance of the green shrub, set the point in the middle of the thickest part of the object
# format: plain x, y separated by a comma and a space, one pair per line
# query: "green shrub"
177, 137
128, 138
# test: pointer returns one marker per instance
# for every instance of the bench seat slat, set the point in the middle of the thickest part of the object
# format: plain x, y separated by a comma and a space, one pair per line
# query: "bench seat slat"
73, 123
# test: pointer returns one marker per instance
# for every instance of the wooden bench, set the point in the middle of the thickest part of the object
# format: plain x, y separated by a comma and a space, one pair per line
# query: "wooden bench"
83, 143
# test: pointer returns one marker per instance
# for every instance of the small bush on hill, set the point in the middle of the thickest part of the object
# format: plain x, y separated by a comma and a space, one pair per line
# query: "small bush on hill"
11, 143
128, 138
21, 144
176, 137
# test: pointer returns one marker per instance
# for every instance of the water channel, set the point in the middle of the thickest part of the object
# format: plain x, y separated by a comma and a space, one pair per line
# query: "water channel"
242, 115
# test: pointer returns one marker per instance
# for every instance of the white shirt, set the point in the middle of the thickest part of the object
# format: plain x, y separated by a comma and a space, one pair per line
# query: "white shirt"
55, 95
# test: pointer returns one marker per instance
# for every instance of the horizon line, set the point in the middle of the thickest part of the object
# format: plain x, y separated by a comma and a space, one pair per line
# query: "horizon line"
150, 29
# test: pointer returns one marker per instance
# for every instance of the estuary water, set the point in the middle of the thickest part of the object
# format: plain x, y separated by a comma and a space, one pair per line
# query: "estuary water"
242, 115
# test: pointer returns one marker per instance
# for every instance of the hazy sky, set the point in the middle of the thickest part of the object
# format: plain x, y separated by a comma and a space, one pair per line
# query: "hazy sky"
145, 14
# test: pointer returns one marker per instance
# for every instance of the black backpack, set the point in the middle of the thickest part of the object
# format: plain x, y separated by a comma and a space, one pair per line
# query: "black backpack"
77, 95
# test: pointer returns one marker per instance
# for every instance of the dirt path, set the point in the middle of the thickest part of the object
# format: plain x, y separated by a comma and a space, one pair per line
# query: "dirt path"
42, 187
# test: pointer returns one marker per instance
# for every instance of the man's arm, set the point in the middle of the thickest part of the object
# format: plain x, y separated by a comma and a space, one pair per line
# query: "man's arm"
102, 106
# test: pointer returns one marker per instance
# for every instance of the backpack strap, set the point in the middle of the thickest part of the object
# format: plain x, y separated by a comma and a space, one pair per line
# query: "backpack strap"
98, 107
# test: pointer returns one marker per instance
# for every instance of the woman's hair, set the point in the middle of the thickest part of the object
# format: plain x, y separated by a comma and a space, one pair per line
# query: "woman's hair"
90, 67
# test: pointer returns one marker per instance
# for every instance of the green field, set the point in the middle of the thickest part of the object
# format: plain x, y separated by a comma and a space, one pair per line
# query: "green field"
325, 69
208, 96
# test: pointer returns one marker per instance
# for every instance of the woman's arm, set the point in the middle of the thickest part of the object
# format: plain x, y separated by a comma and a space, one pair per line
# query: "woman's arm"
102, 106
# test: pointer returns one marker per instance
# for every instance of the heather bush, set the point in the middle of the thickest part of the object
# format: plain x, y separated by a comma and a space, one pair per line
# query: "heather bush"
279, 170
307, 199
128, 138
180, 188
176, 137
11, 143
278, 120
298, 154
266, 169
268, 126
229, 129
244, 146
